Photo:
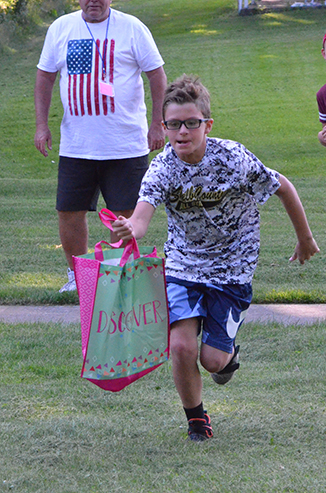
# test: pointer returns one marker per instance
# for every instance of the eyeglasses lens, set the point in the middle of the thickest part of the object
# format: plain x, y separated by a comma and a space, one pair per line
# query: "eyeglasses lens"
189, 124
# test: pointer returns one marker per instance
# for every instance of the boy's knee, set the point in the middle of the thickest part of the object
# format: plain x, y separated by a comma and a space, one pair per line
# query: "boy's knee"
181, 350
212, 365
214, 360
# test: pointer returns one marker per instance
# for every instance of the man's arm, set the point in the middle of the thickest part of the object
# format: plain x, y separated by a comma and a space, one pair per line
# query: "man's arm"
137, 225
306, 246
42, 97
322, 135
157, 83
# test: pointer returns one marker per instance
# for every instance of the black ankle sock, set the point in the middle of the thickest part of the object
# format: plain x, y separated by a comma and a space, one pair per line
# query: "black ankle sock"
195, 412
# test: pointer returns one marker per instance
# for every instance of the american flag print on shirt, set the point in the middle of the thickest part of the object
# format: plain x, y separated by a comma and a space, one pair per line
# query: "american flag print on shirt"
84, 71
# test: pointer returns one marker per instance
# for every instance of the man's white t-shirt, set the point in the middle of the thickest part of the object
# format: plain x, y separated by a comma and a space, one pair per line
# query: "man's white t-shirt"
95, 126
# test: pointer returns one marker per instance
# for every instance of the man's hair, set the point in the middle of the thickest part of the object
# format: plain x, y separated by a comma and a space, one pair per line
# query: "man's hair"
188, 89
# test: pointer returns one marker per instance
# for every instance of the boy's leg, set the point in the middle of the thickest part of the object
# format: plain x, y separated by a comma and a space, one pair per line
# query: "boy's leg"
214, 360
187, 378
221, 365
184, 350
226, 308
186, 311
224, 376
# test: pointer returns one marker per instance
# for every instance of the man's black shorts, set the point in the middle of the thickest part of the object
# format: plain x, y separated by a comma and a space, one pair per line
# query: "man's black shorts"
80, 182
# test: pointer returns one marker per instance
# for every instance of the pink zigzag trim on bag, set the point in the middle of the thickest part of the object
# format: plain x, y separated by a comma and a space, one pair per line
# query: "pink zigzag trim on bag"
86, 273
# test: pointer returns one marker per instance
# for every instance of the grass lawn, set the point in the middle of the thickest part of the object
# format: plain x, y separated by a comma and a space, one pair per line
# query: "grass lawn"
262, 71
61, 434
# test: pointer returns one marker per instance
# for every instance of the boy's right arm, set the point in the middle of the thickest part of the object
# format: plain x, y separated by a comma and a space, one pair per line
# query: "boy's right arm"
136, 226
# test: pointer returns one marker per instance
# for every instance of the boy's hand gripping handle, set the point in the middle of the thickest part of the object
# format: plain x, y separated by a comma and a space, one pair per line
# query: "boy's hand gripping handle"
107, 217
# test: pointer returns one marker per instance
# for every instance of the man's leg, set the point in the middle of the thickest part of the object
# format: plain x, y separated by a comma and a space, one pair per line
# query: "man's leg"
73, 230
119, 181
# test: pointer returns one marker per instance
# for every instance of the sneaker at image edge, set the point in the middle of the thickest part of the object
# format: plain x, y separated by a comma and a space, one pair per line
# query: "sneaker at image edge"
199, 429
71, 284
224, 376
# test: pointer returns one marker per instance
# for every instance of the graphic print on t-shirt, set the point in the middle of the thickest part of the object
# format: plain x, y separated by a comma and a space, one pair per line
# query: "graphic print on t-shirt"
84, 72
195, 197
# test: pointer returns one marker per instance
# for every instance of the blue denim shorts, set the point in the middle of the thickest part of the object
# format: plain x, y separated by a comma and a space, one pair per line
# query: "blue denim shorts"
221, 308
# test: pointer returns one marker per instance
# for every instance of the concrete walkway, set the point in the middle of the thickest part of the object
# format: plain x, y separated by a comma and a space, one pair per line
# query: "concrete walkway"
285, 314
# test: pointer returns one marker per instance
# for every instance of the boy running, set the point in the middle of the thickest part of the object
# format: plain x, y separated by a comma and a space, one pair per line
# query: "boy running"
211, 188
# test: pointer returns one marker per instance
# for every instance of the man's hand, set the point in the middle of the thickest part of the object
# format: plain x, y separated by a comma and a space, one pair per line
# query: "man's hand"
43, 139
156, 137
157, 83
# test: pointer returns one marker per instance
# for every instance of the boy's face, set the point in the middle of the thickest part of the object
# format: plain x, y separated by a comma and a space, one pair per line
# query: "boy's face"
189, 144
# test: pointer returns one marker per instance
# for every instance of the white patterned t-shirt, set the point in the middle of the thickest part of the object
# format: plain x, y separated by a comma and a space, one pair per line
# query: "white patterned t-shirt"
213, 218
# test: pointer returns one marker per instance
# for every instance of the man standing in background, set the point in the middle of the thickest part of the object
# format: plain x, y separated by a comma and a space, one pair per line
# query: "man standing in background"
100, 54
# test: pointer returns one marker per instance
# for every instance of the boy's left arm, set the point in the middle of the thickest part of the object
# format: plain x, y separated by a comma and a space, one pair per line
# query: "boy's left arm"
306, 246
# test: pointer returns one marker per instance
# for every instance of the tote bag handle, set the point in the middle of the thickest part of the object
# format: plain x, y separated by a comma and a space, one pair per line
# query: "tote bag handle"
131, 248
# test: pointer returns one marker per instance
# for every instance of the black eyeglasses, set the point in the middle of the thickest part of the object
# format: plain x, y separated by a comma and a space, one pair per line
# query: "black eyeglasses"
190, 124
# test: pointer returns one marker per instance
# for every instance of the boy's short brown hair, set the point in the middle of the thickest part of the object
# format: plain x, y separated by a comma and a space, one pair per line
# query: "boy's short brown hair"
188, 89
